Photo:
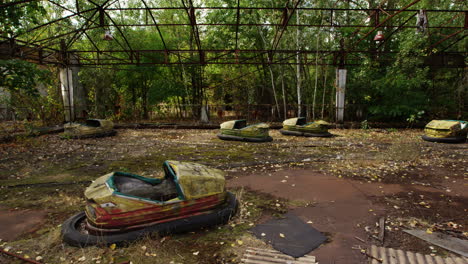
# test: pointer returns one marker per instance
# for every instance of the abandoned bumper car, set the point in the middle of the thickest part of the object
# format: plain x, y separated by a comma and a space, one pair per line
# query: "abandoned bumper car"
92, 128
123, 207
446, 131
238, 130
299, 127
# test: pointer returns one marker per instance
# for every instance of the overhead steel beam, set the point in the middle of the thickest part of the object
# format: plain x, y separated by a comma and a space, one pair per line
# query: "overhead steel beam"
81, 30
382, 23
155, 24
71, 11
52, 22
227, 56
394, 31
15, 3
284, 24
92, 42
208, 63
282, 8
193, 23
276, 25
56, 37
6, 39
242, 51
444, 39
84, 27
123, 36
453, 43
453, 34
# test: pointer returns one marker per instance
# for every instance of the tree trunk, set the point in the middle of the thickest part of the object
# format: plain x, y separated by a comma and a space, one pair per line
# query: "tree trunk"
273, 86
316, 75
144, 98
324, 91
298, 69
284, 95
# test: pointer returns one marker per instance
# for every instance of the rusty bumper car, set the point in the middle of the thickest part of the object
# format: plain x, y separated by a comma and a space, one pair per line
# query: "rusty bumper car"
91, 128
123, 207
446, 131
299, 127
239, 131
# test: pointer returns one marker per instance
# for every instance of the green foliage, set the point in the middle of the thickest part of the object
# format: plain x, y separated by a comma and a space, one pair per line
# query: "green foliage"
46, 107
21, 76
14, 17
396, 91
413, 118
21, 79
365, 125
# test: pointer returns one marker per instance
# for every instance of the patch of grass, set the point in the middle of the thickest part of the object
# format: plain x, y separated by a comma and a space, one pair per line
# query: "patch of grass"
56, 173
300, 203
142, 165
57, 199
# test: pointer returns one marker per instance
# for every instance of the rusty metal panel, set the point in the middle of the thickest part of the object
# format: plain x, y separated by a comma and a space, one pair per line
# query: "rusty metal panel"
454, 244
381, 255
268, 256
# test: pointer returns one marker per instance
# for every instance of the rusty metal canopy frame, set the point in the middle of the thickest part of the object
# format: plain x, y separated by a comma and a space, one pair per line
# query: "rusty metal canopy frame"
86, 22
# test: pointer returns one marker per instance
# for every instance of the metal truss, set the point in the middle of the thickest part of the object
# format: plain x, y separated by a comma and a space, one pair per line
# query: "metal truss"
32, 45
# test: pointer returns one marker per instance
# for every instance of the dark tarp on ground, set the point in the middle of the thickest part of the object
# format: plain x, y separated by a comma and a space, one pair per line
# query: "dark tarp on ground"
299, 238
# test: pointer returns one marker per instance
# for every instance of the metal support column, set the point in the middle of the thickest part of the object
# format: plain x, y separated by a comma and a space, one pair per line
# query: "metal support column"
340, 94
80, 108
66, 86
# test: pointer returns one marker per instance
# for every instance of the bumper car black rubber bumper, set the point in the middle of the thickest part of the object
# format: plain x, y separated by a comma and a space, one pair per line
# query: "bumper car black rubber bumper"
304, 134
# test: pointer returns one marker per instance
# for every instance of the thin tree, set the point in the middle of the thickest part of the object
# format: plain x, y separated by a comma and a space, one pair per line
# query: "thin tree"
298, 69
273, 86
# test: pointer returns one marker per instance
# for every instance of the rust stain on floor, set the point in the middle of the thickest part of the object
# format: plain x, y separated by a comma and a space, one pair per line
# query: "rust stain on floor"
16, 223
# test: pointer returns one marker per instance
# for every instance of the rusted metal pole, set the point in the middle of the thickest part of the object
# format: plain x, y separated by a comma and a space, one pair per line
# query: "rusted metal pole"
444, 39
398, 28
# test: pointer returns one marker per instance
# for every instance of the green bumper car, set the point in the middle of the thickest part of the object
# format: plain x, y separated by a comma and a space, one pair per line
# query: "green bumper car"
238, 130
92, 128
123, 207
446, 131
299, 127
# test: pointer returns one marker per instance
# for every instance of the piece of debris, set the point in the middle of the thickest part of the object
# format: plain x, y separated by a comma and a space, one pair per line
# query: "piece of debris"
372, 257
382, 229
382, 255
360, 239
290, 235
267, 256
92, 128
453, 244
